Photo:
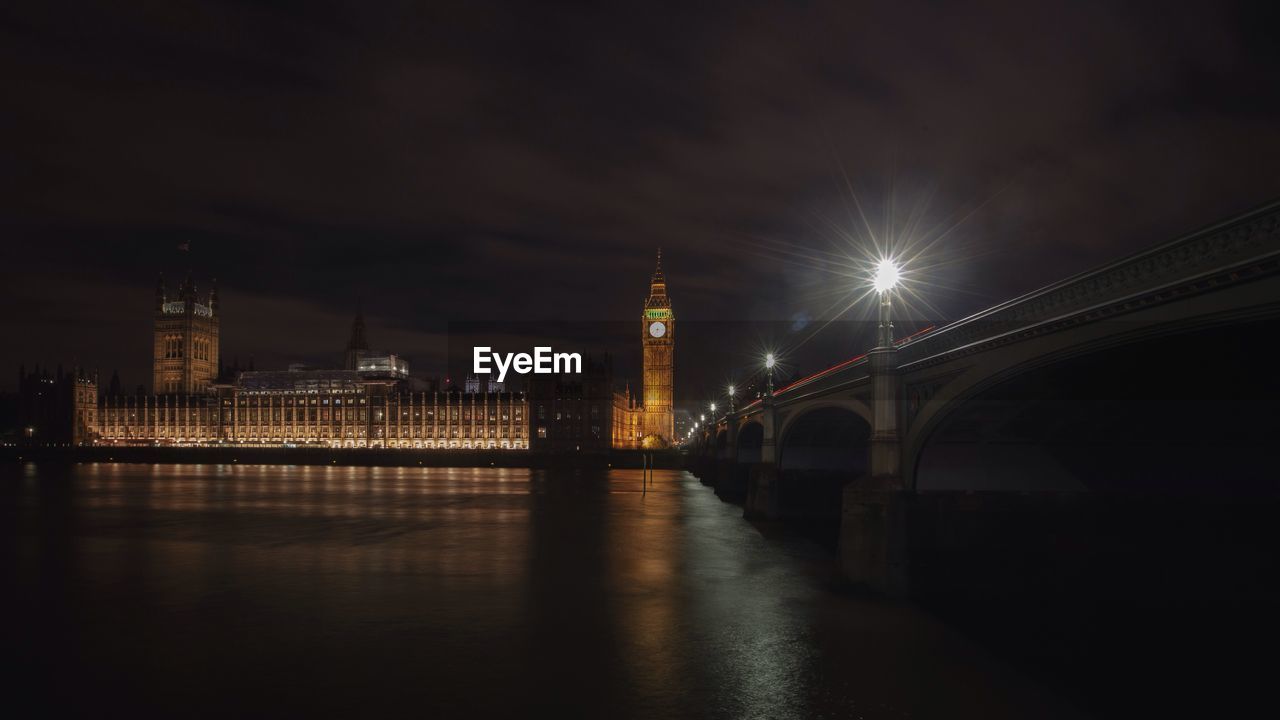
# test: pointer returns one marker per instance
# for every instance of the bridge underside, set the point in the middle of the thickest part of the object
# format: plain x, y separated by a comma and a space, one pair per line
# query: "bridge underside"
1184, 413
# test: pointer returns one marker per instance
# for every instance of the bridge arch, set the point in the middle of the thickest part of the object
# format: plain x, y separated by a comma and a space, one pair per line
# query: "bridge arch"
792, 413
1010, 419
821, 450
827, 437
749, 450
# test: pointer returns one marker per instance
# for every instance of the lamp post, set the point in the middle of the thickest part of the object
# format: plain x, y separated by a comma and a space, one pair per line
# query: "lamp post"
885, 280
730, 399
769, 362
880, 560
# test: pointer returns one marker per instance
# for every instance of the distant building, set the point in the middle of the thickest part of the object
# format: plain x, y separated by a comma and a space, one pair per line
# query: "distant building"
371, 363
324, 408
57, 408
371, 403
627, 421
185, 352
483, 383
376, 364
683, 422
573, 412
358, 343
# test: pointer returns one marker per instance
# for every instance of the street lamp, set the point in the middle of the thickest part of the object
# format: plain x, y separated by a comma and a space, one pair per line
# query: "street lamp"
713, 409
769, 362
884, 281
730, 398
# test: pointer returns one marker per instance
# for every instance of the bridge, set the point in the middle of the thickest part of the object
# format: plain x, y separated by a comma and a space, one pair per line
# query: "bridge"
1134, 377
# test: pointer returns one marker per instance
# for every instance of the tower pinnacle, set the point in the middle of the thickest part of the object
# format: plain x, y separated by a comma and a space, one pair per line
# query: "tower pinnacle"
658, 286
358, 343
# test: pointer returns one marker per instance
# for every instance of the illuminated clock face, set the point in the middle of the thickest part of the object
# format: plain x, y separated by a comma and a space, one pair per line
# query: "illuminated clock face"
657, 329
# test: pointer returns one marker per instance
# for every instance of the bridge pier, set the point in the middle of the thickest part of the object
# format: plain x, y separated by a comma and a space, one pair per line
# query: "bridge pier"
708, 469
873, 516
721, 470
873, 537
731, 480
762, 493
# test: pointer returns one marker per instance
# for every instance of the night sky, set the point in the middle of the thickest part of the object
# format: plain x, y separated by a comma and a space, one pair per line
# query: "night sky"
453, 162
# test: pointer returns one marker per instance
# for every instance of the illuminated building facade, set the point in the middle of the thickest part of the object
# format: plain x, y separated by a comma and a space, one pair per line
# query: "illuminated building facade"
627, 421
371, 403
319, 408
185, 351
658, 330
649, 421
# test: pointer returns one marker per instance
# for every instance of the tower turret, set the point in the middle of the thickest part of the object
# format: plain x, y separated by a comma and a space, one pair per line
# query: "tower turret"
357, 344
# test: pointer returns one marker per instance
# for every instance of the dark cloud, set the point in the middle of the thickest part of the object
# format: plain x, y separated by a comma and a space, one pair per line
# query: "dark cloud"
465, 161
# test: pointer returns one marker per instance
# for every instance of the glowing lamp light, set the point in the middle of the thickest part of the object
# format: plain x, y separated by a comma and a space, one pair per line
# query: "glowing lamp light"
887, 275
770, 361
713, 407
703, 418
730, 391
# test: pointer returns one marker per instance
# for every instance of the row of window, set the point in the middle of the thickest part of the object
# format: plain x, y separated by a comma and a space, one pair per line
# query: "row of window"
175, 347
288, 434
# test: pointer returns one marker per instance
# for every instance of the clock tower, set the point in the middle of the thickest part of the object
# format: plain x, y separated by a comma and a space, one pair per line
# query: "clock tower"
658, 330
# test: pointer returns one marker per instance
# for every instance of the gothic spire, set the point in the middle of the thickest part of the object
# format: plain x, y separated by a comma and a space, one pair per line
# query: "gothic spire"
658, 286
358, 340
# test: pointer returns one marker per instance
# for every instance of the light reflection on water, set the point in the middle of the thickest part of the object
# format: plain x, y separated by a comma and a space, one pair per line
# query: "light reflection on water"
202, 590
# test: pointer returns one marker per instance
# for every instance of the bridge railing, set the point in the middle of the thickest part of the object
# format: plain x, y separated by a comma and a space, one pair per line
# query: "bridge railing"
1239, 241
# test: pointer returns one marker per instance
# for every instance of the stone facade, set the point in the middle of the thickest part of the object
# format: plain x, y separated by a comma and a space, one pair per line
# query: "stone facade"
185, 350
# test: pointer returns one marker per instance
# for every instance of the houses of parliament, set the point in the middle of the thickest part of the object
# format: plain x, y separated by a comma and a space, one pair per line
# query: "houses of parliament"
370, 402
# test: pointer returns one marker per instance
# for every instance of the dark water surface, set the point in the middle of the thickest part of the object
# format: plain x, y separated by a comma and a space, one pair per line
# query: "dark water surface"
189, 590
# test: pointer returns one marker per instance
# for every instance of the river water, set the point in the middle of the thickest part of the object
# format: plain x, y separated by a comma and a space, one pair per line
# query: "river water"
187, 590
